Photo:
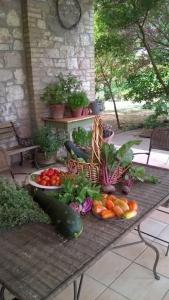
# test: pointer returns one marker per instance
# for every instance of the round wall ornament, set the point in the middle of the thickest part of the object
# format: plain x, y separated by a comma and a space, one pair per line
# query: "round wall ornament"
69, 13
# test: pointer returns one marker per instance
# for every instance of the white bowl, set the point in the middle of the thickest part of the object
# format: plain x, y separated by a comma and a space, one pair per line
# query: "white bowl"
37, 185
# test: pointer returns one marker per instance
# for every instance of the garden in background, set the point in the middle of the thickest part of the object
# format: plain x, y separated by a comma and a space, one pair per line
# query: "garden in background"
132, 61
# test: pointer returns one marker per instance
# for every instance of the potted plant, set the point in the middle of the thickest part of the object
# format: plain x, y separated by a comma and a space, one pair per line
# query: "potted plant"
49, 143
56, 94
77, 101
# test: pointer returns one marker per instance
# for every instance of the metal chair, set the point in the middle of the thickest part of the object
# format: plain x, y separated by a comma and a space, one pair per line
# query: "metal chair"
159, 140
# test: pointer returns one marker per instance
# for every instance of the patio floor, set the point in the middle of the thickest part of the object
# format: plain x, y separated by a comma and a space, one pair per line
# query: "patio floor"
126, 273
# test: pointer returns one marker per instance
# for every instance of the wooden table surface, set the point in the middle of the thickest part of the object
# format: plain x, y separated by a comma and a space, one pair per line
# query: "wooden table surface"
37, 263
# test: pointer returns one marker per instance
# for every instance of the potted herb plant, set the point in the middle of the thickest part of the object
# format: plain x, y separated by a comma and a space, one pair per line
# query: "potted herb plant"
56, 94
77, 101
49, 143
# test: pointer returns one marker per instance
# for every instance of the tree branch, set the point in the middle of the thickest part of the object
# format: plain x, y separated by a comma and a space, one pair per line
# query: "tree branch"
147, 47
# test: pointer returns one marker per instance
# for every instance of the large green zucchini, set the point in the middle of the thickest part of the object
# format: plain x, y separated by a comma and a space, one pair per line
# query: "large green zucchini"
66, 221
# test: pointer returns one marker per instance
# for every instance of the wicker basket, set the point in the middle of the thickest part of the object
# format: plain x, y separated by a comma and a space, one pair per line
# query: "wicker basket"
91, 168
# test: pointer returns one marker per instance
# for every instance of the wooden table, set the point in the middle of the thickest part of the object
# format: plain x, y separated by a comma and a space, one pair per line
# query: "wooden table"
68, 124
37, 263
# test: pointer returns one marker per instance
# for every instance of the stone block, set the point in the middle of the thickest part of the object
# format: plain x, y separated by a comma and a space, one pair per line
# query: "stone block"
19, 76
60, 63
47, 62
13, 18
5, 75
4, 47
5, 36
2, 100
41, 24
14, 92
17, 33
85, 39
13, 59
72, 64
53, 53
18, 45
1, 62
84, 63
2, 89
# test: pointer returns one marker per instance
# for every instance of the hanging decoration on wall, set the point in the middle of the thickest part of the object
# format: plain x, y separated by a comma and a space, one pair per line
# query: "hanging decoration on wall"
69, 13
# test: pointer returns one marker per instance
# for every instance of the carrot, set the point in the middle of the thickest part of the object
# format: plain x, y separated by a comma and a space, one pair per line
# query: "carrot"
109, 204
107, 214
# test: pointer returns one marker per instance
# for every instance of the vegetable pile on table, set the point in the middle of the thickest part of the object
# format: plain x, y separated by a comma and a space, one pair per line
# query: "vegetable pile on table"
111, 206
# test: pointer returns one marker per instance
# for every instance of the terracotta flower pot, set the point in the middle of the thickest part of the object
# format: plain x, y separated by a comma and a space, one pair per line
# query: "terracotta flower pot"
57, 111
85, 111
77, 112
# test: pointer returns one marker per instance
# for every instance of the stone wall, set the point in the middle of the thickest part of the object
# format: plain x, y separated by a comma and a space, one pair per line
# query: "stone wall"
51, 49
14, 104
34, 49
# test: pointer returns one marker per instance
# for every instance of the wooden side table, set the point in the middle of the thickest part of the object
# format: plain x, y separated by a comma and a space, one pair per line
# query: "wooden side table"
68, 124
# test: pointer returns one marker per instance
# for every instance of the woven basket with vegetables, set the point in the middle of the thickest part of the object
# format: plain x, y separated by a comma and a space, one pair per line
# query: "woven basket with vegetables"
81, 162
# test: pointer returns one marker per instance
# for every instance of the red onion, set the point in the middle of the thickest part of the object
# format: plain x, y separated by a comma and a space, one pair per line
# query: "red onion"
86, 206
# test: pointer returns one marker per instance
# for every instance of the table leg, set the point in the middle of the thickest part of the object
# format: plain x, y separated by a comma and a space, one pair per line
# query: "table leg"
2, 293
77, 290
156, 251
2, 297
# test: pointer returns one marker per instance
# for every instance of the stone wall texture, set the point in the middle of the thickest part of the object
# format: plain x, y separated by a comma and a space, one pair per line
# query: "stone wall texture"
14, 102
34, 49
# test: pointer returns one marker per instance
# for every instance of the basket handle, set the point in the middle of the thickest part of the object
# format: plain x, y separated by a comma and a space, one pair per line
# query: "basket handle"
97, 139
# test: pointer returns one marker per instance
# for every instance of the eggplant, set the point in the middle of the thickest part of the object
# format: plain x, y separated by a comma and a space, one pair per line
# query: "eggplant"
74, 150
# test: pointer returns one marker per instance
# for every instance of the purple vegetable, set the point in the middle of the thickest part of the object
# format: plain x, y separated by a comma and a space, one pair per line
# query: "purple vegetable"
76, 207
127, 184
108, 188
86, 206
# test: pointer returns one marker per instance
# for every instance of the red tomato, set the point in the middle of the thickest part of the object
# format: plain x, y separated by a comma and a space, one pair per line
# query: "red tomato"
50, 172
53, 182
43, 182
47, 178
44, 173
38, 179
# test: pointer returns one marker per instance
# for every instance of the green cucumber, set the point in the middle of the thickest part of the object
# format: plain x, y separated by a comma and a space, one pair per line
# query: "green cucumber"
66, 221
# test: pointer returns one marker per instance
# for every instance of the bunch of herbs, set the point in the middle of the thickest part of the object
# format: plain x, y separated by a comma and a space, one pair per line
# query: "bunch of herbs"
17, 206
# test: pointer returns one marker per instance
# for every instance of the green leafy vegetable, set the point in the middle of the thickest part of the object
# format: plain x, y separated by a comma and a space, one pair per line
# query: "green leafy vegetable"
77, 189
139, 173
17, 206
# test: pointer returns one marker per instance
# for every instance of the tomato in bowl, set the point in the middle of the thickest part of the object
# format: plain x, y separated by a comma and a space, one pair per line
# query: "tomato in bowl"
48, 178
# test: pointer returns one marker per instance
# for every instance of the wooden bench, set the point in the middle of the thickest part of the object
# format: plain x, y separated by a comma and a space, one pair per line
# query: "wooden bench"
8, 132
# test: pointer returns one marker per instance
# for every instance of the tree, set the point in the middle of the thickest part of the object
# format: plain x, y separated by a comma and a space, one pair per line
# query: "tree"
137, 30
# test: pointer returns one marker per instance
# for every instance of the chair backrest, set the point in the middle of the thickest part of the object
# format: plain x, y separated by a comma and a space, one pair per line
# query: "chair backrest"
160, 139
4, 161
8, 132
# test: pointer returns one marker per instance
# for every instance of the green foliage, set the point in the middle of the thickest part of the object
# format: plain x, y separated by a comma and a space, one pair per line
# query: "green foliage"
48, 140
139, 174
122, 157
57, 93
77, 189
78, 99
161, 110
17, 206
132, 42
82, 137
142, 85
152, 122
